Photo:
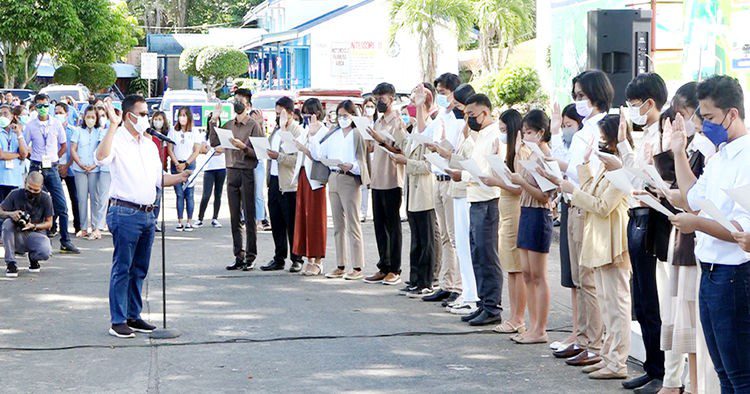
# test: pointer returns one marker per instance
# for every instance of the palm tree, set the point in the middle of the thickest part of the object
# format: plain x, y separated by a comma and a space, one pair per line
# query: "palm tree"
420, 17
501, 23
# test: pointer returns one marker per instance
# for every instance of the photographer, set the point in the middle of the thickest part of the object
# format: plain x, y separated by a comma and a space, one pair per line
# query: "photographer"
30, 213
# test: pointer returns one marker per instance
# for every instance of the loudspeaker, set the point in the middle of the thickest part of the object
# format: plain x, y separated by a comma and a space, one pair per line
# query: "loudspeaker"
619, 43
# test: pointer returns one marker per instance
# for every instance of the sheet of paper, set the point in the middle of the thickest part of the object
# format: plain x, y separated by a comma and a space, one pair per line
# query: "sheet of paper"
472, 168
655, 178
621, 180
225, 135
740, 195
710, 209
385, 135
654, 203
385, 150
637, 173
437, 161
535, 149
261, 147
287, 142
542, 182
703, 145
420, 138
362, 123
331, 162
501, 170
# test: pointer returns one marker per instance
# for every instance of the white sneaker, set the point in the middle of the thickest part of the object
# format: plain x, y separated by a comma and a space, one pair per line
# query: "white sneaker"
467, 308
215, 223
458, 301
198, 224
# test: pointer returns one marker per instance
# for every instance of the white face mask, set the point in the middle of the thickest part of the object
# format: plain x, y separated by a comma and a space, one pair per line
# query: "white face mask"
584, 108
102, 122
4, 122
61, 118
442, 101
158, 124
690, 126
141, 124
90, 122
635, 114
345, 121
369, 111
504, 138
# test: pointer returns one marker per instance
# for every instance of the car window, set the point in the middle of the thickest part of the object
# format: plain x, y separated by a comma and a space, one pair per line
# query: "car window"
57, 95
265, 102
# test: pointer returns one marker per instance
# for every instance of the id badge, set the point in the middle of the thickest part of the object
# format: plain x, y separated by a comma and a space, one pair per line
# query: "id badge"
46, 162
10, 164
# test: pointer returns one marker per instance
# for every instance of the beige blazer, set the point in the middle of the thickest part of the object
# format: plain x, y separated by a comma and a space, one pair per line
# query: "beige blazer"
605, 229
360, 149
420, 181
287, 162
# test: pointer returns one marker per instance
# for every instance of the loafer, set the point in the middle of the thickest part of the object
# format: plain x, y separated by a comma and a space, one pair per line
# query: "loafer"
376, 278
583, 359
652, 387
273, 265
593, 368
238, 265
485, 318
570, 351
607, 374
472, 316
437, 296
121, 331
638, 381
296, 267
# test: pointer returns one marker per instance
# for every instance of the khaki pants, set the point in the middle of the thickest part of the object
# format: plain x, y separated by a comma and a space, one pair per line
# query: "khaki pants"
345, 197
448, 273
613, 290
590, 328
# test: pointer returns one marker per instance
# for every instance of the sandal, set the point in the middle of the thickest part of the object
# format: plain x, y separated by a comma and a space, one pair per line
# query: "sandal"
82, 234
531, 341
507, 327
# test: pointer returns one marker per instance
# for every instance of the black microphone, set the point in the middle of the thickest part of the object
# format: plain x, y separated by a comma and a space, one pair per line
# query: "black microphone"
160, 136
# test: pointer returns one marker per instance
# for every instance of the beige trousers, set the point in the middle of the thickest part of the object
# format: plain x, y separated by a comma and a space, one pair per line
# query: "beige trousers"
448, 273
345, 198
590, 327
613, 290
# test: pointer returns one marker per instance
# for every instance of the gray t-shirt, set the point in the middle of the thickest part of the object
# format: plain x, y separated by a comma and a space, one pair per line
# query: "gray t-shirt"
39, 210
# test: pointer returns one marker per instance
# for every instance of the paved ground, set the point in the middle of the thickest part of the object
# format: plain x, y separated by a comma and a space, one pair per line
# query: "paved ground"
258, 332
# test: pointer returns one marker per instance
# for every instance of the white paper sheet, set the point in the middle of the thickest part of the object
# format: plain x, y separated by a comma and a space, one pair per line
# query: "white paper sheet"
472, 168
542, 182
655, 178
620, 179
501, 170
535, 149
420, 138
225, 135
437, 161
362, 123
331, 162
740, 195
654, 203
710, 209
261, 147
703, 145
287, 142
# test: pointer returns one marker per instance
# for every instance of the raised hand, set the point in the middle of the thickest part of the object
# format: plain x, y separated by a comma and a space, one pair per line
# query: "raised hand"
419, 95
622, 128
555, 119
678, 142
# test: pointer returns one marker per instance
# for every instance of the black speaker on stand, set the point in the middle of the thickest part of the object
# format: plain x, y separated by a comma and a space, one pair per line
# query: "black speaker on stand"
619, 43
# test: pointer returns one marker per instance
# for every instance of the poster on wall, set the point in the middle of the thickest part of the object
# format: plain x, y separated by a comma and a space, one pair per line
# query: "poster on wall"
356, 62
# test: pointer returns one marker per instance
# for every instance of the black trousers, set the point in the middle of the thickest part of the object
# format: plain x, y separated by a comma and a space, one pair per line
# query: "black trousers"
484, 219
213, 181
70, 184
422, 251
241, 193
645, 295
281, 210
386, 218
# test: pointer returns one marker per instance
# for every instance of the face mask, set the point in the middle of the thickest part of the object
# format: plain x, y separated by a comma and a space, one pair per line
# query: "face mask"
473, 123
90, 123
635, 115
61, 118
690, 126
43, 111
405, 119
102, 122
23, 119
158, 124
567, 134
584, 108
382, 107
239, 107
535, 138
604, 148
4, 122
459, 114
31, 196
715, 132
141, 123
442, 101
504, 138
369, 111
345, 122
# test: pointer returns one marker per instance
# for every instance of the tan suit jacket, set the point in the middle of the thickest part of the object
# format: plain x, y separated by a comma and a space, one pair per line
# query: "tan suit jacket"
287, 162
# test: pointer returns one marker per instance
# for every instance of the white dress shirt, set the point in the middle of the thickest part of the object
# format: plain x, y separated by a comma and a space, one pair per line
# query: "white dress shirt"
447, 127
341, 147
135, 167
313, 145
727, 169
275, 146
487, 143
589, 133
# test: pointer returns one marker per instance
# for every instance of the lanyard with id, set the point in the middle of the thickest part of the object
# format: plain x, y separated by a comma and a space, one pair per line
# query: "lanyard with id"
46, 159
9, 164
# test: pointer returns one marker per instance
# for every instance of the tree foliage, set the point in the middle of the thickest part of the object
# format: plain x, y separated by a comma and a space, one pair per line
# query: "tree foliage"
213, 65
512, 86
67, 74
187, 60
97, 76
160, 15
501, 23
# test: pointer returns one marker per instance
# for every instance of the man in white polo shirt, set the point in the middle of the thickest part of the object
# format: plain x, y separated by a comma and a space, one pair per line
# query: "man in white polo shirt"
136, 174
724, 296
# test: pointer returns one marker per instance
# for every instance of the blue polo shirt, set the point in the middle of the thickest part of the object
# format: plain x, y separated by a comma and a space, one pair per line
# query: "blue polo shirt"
88, 141
10, 176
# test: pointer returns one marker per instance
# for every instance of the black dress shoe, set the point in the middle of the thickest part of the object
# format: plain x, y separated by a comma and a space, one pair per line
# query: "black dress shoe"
652, 387
467, 318
438, 296
296, 267
485, 318
238, 265
636, 382
273, 265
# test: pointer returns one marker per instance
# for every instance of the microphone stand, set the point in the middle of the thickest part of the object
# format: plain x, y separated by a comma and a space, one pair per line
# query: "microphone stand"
164, 332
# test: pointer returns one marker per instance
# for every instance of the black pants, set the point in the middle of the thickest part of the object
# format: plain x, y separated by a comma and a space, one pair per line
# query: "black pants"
484, 219
281, 210
70, 184
422, 251
212, 181
386, 218
241, 193
645, 295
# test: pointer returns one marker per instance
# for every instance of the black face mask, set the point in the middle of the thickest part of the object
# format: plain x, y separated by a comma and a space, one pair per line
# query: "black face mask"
239, 107
604, 148
382, 107
473, 123
458, 113
32, 196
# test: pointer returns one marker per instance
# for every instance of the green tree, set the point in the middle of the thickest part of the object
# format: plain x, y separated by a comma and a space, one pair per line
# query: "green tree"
514, 86
29, 29
187, 60
420, 17
501, 24
158, 16
67, 74
216, 64
97, 76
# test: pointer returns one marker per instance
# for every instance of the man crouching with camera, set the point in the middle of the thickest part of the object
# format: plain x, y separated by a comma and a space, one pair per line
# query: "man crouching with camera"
27, 215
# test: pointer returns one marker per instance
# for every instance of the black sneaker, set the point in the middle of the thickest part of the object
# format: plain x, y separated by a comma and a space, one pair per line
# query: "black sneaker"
139, 325
69, 248
52, 233
238, 265
249, 266
467, 318
437, 296
11, 271
406, 290
121, 331
451, 299
34, 266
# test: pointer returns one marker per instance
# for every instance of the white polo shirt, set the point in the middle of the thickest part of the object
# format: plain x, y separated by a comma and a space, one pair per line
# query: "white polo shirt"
727, 169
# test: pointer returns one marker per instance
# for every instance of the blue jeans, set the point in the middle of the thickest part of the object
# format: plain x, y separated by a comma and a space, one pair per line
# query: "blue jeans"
53, 185
132, 235
484, 222
724, 303
185, 197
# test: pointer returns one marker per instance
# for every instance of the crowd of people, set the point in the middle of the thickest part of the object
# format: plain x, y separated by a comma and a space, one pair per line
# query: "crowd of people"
655, 225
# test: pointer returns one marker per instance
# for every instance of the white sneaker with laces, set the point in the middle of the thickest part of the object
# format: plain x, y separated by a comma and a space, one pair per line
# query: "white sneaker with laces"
215, 223
467, 308
458, 301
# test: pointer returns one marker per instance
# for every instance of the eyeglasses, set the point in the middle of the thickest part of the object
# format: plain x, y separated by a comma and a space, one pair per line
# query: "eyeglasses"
38, 106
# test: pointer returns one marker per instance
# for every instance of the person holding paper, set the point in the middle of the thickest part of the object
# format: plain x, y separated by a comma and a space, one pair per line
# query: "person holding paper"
241, 164
725, 269
182, 157
386, 184
311, 219
534, 228
510, 212
282, 189
370, 110
346, 145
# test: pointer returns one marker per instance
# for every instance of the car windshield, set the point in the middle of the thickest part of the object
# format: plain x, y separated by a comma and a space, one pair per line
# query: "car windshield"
57, 95
265, 102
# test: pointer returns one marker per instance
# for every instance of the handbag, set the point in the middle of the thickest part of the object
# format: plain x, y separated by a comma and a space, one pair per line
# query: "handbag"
319, 171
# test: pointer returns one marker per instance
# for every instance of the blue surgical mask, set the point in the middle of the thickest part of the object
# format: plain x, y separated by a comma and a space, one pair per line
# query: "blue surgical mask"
716, 132
442, 101
23, 119
405, 119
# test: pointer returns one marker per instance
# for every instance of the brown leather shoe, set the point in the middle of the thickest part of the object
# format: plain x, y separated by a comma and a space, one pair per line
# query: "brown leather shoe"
570, 351
375, 278
583, 359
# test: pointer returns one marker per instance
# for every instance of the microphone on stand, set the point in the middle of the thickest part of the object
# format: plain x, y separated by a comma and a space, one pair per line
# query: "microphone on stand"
160, 136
